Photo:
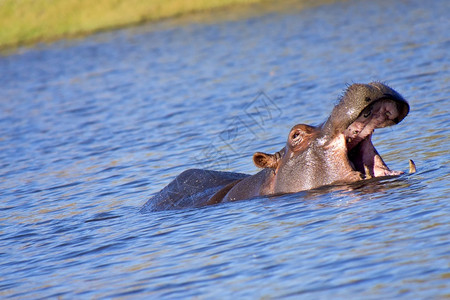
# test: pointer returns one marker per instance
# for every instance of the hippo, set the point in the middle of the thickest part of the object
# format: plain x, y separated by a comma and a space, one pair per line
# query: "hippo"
339, 151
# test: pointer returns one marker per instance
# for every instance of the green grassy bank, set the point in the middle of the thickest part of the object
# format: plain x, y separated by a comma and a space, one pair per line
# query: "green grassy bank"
24, 22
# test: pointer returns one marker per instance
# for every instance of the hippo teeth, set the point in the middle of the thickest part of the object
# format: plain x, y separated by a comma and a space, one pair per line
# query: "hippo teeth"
412, 166
367, 172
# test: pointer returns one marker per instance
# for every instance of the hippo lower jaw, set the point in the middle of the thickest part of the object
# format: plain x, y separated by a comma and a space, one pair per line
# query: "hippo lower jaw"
361, 153
365, 159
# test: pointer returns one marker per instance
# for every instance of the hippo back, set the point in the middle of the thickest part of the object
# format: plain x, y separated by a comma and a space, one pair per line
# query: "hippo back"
192, 188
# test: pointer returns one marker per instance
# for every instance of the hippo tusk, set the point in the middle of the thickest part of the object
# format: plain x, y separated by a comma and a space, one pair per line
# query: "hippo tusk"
367, 172
412, 167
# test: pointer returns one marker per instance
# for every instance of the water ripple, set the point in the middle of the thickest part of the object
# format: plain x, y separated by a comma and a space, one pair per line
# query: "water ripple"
91, 128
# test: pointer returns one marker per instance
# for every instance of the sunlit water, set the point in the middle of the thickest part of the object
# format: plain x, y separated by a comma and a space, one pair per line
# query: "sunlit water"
92, 128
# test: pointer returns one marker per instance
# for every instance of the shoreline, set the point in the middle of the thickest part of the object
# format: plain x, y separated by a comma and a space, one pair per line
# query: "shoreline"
30, 22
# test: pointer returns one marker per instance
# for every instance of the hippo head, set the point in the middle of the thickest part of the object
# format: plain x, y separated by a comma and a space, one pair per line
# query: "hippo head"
340, 150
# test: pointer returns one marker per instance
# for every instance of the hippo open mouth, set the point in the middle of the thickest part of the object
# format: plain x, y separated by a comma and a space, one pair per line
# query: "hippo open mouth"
339, 151
362, 154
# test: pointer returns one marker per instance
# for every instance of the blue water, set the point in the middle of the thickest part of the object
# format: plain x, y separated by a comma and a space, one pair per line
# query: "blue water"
92, 128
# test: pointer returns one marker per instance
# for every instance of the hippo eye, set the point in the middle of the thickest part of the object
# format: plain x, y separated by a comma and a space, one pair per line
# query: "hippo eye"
368, 112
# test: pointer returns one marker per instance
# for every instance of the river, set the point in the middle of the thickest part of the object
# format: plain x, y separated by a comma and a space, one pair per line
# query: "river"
91, 128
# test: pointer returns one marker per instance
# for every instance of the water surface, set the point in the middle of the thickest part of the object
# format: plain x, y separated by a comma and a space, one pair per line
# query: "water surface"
92, 128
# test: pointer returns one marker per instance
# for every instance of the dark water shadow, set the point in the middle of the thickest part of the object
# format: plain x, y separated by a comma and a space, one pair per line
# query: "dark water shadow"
357, 190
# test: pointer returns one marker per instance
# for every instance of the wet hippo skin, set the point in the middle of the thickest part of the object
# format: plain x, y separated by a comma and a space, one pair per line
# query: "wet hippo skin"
338, 151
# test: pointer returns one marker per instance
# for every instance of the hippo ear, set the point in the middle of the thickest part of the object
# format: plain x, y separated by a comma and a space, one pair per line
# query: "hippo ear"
264, 160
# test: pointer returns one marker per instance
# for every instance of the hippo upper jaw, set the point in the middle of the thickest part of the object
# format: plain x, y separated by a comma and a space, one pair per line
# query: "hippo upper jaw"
360, 100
